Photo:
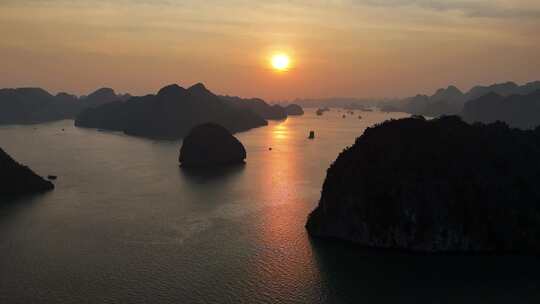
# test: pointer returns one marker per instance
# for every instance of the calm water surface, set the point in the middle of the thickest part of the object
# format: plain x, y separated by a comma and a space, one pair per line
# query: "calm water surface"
126, 225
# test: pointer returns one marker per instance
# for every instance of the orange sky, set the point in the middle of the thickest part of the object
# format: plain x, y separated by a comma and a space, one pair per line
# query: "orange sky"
360, 48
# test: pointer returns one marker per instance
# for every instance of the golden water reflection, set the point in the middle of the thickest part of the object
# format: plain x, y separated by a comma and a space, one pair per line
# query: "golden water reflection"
280, 131
288, 264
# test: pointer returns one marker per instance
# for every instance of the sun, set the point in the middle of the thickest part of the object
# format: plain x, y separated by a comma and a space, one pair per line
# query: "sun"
280, 62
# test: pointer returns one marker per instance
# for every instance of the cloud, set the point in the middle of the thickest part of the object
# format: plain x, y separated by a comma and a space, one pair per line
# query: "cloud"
470, 8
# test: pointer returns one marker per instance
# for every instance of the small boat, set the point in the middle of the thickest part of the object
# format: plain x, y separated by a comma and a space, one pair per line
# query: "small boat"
320, 111
52, 177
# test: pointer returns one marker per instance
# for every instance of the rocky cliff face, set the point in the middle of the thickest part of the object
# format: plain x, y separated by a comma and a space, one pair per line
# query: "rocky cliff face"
435, 186
16, 179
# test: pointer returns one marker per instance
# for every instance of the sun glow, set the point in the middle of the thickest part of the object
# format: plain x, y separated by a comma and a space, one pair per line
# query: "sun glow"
280, 62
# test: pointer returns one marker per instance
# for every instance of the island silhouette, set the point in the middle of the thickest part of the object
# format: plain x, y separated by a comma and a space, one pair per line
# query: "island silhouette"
169, 114
211, 145
36, 105
17, 179
438, 185
452, 101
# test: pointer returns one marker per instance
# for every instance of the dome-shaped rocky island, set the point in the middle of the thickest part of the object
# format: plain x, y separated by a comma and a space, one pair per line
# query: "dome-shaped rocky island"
435, 186
294, 110
211, 145
16, 179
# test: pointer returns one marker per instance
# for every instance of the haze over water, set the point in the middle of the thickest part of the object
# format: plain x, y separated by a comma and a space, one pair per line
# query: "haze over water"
125, 224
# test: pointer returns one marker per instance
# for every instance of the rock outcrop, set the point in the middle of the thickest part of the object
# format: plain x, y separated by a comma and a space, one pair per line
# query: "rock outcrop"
16, 179
210, 145
170, 114
294, 110
435, 186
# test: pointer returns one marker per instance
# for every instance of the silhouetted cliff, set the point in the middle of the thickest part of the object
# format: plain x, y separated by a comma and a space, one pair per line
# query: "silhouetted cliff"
258, 106
440, 185
519, 111
16, 179
210, 145
169, 114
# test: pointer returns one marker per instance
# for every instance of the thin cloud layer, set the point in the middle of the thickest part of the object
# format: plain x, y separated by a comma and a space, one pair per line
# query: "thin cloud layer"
482, 8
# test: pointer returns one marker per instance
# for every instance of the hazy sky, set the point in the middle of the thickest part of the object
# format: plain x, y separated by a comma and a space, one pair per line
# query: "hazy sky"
362, 48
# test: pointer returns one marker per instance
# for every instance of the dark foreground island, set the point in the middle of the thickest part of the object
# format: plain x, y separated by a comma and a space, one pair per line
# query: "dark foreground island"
16, 179
211, 145
435, 186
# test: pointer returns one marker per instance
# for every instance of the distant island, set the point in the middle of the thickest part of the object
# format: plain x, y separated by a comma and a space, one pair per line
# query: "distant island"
320, 111
257, 106
336, 102
437, 185
294, 110
16, 179
519, 111
170, 114
35, 105
451, 101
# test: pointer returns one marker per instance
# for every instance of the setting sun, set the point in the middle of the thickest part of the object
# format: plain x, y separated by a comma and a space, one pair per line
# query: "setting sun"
281, 62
